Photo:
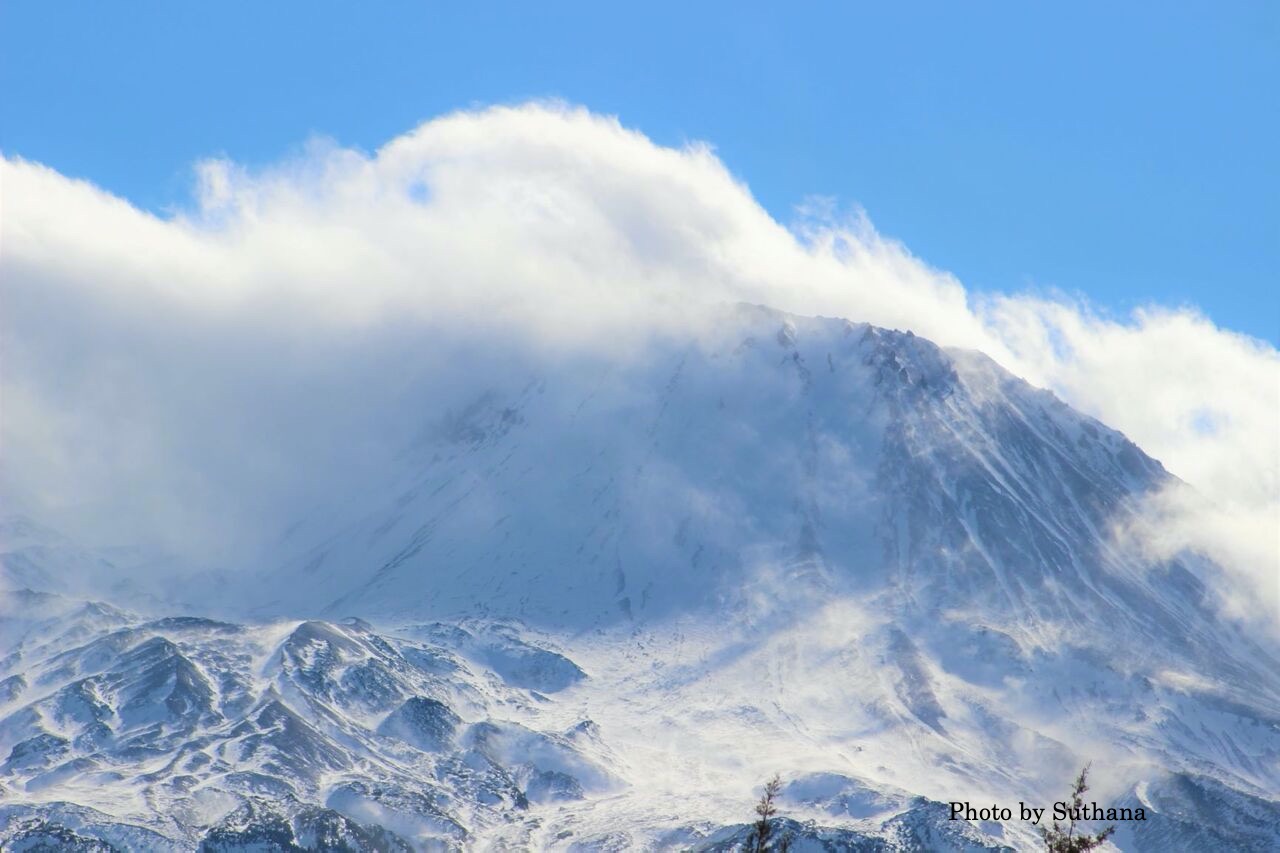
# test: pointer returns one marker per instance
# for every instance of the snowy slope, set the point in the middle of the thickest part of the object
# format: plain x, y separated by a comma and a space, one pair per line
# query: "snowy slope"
170, 733
611, 600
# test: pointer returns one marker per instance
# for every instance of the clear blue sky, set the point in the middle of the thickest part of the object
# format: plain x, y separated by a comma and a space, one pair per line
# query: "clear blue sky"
1124, 150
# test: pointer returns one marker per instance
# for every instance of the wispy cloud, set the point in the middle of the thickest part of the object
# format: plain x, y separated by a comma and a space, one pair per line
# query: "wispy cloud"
180, 379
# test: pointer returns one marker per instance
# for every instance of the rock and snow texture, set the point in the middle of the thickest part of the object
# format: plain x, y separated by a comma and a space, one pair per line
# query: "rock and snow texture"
596, 610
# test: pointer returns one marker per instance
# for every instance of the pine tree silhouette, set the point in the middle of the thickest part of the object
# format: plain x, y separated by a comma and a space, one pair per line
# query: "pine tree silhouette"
1063, 839
762, 838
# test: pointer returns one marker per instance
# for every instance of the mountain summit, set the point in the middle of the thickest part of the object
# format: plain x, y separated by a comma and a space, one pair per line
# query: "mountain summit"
594, 607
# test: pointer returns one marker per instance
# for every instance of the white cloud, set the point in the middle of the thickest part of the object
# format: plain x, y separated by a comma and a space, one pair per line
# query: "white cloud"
183, 372
1203, 400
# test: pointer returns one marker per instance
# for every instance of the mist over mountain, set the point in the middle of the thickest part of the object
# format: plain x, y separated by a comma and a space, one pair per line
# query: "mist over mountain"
822, 548
523, 485
283, 337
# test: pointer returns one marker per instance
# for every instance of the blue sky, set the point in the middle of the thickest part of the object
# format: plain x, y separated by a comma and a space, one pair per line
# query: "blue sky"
1124, 151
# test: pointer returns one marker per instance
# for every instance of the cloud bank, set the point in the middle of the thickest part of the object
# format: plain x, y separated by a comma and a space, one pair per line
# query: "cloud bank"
183, 380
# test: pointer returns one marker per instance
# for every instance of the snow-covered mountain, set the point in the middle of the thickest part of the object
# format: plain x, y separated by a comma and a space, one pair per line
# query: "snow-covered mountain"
598, 606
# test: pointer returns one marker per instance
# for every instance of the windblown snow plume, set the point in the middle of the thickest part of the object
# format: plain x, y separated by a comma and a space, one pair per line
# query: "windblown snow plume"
228, 359
550, 494
591, 613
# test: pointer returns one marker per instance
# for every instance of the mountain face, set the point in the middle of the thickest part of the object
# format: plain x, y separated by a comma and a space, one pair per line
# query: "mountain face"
595, 609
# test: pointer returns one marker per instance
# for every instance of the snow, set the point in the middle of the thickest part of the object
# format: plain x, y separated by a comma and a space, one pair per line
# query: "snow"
814, 548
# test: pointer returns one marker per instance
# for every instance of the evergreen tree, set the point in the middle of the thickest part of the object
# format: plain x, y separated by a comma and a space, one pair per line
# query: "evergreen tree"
762, 838
1063, 839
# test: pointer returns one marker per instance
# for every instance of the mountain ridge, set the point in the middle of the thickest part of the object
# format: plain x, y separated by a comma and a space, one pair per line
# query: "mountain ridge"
590, 611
